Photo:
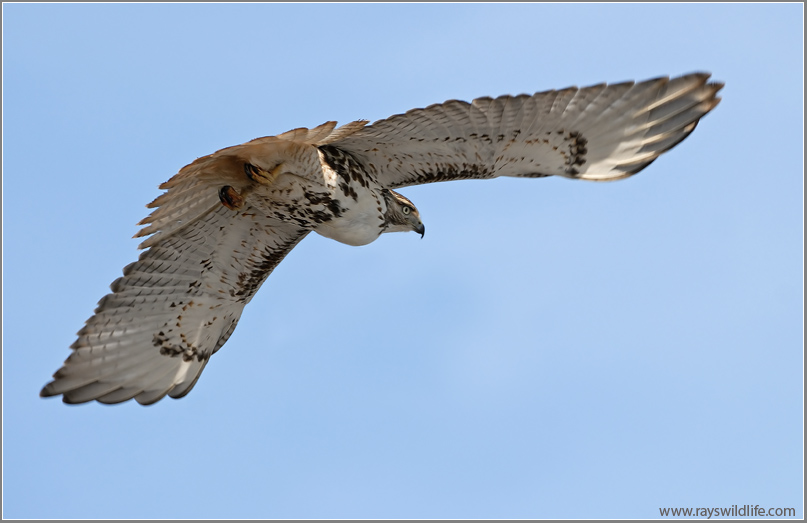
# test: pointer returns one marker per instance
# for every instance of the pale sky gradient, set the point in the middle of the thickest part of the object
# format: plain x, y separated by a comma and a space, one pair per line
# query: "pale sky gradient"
550, 349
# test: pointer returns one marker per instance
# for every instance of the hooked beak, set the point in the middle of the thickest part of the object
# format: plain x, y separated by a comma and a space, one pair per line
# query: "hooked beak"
421, 229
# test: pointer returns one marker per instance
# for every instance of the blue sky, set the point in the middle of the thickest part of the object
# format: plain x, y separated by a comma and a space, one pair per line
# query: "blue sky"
551, 349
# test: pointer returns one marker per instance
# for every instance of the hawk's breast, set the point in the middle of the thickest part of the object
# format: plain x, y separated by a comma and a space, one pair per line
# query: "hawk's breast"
359, 195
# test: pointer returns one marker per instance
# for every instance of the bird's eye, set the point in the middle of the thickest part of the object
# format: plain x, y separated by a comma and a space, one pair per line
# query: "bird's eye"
406, 210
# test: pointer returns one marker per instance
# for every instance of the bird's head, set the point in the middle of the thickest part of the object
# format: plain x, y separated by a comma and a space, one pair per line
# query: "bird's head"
402, 215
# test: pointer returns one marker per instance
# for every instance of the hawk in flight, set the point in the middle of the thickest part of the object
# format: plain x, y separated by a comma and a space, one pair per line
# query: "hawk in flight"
226, 220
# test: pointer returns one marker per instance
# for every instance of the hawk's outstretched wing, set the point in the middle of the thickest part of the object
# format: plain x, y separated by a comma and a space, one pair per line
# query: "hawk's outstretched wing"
602, 132
172, 309
179, 303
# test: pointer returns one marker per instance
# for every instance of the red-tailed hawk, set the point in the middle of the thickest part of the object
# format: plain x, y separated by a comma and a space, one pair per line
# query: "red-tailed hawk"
227, 219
